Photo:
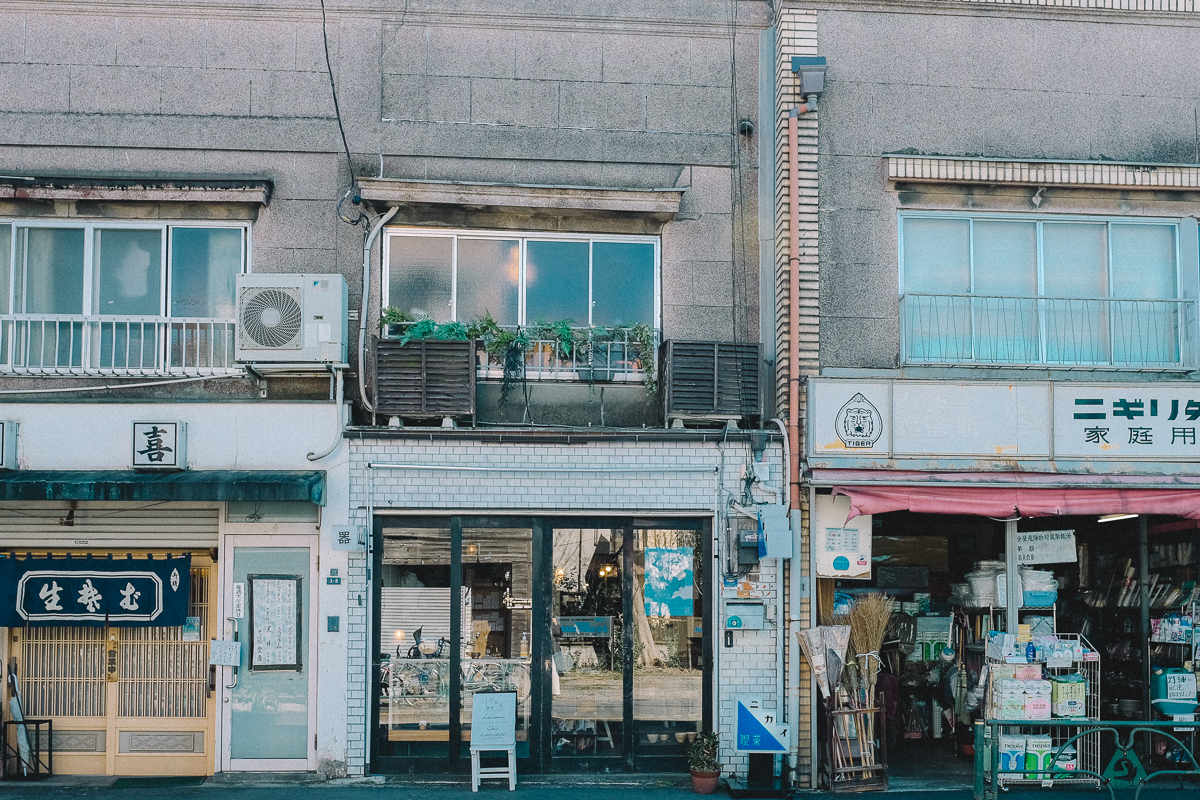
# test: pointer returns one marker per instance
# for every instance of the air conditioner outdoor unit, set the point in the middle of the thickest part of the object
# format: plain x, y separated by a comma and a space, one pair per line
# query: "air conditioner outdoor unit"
292, 319
711, 381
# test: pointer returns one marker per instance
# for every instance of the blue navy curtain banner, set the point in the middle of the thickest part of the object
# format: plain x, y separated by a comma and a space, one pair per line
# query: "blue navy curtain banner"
93, 592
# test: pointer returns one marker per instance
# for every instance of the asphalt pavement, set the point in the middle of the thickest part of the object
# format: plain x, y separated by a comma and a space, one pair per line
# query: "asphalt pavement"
535, 787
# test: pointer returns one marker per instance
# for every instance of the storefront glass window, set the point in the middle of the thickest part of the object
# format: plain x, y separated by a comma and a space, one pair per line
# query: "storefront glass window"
668, 682
588, 644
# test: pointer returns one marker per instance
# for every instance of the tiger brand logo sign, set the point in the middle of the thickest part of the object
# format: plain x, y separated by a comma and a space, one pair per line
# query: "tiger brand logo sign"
858, 423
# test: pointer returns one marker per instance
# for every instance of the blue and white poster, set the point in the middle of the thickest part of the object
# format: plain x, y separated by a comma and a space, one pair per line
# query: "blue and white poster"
121, 592
669, 582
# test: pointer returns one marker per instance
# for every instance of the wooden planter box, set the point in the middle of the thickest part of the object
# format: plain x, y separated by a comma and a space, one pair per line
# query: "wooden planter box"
425, 379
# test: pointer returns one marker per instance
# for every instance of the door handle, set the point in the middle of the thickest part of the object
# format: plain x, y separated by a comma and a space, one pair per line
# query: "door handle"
212, 680
235, 638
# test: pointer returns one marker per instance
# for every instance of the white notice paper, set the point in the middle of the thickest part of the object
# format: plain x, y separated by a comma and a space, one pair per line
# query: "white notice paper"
274, 622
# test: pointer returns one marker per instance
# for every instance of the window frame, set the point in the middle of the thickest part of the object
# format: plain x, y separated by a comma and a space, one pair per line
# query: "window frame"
523, 239
90, 226
1181, 284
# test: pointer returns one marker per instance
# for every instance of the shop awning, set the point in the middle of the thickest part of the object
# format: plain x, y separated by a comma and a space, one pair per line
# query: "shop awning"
1002, 503
195, 485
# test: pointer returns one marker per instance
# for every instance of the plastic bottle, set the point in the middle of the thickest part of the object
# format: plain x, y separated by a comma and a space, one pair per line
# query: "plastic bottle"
524, 645
1030, 653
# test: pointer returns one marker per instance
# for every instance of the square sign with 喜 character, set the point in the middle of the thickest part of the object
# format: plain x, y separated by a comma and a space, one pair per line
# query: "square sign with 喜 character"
159, 445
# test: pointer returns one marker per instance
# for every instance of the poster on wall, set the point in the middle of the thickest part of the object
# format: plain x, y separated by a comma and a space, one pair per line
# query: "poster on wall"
842, 548
669, 586
274, 622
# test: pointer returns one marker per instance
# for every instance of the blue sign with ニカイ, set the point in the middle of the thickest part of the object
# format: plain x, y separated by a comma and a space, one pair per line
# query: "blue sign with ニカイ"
94, 591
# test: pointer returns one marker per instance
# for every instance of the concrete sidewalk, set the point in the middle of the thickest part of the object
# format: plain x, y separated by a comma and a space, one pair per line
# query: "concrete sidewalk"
671, 786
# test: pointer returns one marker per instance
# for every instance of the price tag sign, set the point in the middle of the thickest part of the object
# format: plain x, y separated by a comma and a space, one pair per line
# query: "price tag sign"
1181, 686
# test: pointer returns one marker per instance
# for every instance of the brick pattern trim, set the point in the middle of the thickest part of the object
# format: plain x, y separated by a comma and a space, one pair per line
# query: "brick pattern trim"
1042, 173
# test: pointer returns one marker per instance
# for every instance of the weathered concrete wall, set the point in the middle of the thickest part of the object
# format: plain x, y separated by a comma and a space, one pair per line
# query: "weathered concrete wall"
991, 81
624, 95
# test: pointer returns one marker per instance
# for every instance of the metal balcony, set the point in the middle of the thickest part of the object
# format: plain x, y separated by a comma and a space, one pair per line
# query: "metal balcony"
1034, 331
33, 344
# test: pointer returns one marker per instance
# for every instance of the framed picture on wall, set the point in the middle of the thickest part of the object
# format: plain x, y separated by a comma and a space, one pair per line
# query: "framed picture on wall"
275, 619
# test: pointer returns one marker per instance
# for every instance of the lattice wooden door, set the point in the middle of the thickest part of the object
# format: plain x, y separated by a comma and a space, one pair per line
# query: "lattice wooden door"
157, 717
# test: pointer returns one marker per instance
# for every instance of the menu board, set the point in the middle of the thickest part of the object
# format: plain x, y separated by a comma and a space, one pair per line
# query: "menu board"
274, 621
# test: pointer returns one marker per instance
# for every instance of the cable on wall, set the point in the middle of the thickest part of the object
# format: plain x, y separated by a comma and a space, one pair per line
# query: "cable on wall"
337, 112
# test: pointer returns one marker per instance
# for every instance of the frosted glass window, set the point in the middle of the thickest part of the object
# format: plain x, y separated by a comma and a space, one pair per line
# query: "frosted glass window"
937, 256
1005, 255
5, 272
419, 275
50, 271
128, 273
489, 277
622, 283
1143, 261
556, 282
205, 263
1075, 260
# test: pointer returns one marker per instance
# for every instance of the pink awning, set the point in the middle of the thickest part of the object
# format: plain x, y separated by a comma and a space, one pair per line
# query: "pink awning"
1004, 502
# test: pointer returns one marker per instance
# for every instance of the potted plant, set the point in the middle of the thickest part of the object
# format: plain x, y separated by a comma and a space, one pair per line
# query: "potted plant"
703, 763
392, 320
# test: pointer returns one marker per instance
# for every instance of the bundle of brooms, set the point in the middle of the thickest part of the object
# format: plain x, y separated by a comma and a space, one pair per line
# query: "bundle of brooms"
868, 620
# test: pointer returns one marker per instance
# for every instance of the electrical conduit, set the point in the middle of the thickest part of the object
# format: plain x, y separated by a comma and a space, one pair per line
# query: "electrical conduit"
368, 404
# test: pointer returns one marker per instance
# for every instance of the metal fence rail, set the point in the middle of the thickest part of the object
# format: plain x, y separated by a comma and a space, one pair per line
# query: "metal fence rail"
1129, 767
113, 345
614, 357
992, 329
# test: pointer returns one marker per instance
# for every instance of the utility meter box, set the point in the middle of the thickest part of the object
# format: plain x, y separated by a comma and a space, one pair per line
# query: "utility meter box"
744, 615
747, 546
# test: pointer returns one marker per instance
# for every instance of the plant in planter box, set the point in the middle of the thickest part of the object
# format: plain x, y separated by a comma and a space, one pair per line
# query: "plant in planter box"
702, 761
391, 319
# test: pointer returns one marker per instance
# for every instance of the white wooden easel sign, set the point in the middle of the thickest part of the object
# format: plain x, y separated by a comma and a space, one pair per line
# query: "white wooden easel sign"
494, 729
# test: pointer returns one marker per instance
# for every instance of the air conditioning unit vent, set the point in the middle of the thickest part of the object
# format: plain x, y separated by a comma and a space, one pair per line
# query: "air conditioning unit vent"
711, 381
270, 318
291, 319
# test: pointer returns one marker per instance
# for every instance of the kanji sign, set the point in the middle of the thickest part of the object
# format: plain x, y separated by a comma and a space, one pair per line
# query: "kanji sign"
94, 591
159, 445
1046, 547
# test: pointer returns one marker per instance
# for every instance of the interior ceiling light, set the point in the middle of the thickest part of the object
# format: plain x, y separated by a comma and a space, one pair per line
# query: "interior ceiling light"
1115, 517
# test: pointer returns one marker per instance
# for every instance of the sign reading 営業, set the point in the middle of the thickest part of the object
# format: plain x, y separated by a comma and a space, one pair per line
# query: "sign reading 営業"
121, 592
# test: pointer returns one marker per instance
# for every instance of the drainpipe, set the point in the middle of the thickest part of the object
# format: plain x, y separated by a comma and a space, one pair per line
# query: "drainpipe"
793, 310
368, 404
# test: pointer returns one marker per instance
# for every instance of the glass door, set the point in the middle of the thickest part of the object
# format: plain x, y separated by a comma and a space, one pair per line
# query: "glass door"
266, 705
590, 646
497, 641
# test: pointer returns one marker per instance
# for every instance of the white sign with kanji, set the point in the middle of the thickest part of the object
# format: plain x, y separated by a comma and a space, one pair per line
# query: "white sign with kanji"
1046, 547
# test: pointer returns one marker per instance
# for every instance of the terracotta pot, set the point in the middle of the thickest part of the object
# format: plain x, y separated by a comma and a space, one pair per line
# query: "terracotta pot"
705, 782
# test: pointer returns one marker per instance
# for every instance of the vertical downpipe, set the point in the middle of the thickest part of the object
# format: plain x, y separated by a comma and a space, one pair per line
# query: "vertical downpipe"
793, 310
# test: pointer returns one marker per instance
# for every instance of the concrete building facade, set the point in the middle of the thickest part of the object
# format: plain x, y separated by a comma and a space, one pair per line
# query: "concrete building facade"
188, 188
953, 151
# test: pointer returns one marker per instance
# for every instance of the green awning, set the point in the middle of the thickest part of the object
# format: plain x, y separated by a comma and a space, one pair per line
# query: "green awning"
278, 485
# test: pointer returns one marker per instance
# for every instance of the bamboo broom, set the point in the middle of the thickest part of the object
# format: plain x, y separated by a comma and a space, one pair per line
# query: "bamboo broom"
868, 621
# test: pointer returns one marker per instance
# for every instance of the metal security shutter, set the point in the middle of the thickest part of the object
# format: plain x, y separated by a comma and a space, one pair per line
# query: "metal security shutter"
100, 525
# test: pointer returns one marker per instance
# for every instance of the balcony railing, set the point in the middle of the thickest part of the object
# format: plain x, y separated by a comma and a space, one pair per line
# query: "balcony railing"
1096, 332
615, 357
111, 345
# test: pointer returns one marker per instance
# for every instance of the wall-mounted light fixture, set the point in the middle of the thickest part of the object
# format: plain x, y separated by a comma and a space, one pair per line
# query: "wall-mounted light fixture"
810, 71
